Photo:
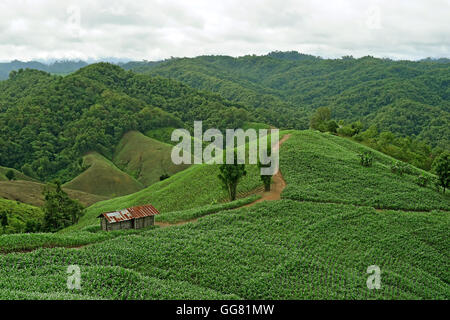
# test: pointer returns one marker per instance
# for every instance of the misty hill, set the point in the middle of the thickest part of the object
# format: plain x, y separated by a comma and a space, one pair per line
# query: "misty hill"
58, 67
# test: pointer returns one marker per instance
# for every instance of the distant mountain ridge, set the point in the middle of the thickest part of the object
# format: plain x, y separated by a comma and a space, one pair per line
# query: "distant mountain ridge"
410, 98
58, 67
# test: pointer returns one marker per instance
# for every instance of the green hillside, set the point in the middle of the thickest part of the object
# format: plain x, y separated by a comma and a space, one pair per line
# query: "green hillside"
18, 215
275, 250
193, 187
17, 175
144, 158
30, 192
325, 168
47, 123
103, 178
410, 98
315, 243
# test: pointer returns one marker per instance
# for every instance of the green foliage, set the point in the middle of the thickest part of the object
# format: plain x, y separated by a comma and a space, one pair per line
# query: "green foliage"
423, 180
266, 179
366, 159
47, 123
408, 98
185, 215
412, 151
400, 168
230, 175
274, 250
320, 118
59, 210
16, 217
325, 168
351, 129
441, 167
10, 175
4, 218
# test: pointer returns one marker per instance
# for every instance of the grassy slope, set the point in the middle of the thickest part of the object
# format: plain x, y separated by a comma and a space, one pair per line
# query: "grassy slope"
275, 250
18, 215
280, 249
31, 193
103, 178
324, 168
162, 134
144, 158
194, 187
18, 175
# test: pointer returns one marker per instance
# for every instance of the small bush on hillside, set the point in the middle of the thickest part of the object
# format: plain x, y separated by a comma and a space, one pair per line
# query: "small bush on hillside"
10, 175
400, 168
437, 184
422, 180
164, 177
4, 218
366, 159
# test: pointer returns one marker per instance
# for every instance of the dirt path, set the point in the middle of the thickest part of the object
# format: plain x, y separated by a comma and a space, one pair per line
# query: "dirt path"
278, 184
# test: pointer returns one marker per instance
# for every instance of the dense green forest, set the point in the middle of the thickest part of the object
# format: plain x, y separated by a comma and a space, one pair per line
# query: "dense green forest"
410, 98
48, 122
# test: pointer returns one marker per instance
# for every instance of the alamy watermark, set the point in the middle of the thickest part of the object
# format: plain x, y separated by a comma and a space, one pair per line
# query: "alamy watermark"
374, 280
74, 277
190, 149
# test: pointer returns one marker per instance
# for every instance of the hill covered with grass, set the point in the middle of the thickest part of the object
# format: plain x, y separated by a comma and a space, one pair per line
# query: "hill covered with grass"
325, 168
103, 178
30, 192
276, 250
17, 175
144, 158
16, 217
335, 219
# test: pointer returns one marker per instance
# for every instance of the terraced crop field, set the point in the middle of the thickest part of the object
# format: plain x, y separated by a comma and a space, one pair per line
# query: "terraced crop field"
320, 167
336, 218
274, 250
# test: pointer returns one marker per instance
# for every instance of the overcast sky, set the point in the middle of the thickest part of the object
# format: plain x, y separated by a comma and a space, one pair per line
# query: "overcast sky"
153, 29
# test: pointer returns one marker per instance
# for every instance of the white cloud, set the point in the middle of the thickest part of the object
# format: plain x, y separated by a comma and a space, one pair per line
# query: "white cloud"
156, 29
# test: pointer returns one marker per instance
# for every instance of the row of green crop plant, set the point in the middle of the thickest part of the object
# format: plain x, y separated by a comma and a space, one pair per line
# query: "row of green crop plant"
274, 250
30, 241
323, 168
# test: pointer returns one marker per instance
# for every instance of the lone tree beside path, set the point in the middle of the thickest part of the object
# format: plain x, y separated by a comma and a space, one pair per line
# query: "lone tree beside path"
230, 175
442, 168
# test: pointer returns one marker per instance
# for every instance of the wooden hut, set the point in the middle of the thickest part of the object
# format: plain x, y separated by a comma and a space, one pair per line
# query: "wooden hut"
130, 218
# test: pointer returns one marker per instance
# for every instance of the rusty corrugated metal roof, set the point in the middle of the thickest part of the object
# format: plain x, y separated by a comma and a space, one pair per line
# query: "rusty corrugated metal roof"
130, 213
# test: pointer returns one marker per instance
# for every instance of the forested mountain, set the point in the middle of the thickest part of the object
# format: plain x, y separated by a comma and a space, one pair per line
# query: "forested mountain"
48, 122
406, 97
58, 67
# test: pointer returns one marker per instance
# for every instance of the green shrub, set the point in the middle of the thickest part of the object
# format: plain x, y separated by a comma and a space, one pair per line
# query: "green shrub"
422, 180
401, 168
366, 159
